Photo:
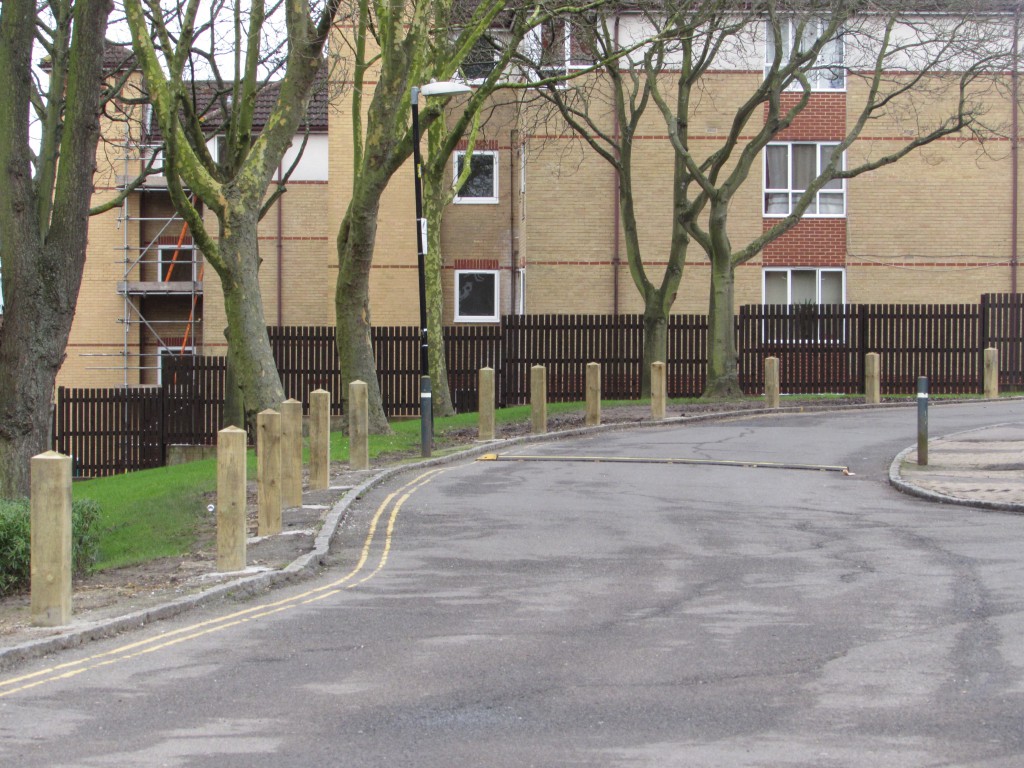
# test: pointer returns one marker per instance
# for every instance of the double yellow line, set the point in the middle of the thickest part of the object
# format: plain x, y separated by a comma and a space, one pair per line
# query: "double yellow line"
354, 578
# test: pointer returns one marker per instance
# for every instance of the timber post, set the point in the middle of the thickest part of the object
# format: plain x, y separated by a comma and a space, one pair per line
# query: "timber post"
291, 453
231, 524
485, 404
50, 545
319, 439
268, 472
991, 373
539, 399
872, 378
358, 426
593, 394
771, 382
659, 391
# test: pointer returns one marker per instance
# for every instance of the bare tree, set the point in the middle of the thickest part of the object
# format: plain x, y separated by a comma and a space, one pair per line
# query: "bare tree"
398, 43
44, 206
169, 41
931, 73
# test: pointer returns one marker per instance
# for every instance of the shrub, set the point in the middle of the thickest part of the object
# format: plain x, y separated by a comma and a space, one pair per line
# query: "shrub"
16, 546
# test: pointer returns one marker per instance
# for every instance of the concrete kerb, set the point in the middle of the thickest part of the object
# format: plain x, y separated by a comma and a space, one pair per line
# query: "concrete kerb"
307, 564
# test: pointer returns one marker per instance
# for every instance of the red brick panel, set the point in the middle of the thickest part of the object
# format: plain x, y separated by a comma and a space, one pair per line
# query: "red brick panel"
811, 243
823, 119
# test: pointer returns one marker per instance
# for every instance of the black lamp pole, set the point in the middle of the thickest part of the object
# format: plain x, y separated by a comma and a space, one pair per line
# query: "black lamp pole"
426, 402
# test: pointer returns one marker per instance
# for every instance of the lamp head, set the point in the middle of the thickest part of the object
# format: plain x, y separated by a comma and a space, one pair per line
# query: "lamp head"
443, 88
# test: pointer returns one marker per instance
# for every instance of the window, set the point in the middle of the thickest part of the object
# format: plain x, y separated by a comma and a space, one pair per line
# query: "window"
790, 168
482, 183
480, 61
801, 292
554, 47
804, 286
825, 74
180, 268
476, 297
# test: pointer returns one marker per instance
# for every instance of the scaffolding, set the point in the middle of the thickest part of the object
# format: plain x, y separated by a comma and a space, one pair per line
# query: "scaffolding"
157, 259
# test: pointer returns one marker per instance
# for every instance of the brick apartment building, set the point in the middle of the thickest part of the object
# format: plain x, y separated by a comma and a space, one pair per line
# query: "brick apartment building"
538, 231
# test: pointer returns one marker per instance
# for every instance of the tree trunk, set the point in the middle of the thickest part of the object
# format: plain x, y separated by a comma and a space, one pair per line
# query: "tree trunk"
436, 188
723, 371
655, 338
251, 359
352, 302
32, 345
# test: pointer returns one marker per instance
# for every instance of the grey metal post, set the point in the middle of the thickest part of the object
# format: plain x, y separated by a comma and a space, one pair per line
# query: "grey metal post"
922, 421
426, 417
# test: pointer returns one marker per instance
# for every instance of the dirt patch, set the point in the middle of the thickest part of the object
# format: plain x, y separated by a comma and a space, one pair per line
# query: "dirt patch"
122, 591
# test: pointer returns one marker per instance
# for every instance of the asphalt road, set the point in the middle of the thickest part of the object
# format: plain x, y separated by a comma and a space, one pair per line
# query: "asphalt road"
593, 613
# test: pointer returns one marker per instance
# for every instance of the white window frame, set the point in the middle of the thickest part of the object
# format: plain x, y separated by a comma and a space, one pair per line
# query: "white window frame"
789, 281
818, 76
183, 249
791, 193
488, 318
477, 153
817, 334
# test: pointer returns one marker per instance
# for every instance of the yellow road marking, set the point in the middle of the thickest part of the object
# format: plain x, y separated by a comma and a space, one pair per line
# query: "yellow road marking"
210, 626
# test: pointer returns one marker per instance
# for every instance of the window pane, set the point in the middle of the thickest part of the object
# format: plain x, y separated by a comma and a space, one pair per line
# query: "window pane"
826, 154
831, 287
805, 165
776, 286
477, 294
480, 182
805, 288
776, 203
830, 203
479, 62
777, 167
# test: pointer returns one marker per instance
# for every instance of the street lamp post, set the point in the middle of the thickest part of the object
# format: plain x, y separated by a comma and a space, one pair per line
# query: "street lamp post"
446, 88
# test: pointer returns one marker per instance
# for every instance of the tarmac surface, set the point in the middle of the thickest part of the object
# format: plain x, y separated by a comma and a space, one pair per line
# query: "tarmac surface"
981, 468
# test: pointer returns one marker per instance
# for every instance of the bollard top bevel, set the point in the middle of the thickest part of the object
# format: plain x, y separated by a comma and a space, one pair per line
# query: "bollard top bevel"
49, 456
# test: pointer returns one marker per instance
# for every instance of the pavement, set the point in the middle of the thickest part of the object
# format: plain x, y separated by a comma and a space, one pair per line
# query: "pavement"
979, 468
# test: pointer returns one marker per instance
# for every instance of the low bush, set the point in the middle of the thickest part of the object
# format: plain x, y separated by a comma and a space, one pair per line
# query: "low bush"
16, 543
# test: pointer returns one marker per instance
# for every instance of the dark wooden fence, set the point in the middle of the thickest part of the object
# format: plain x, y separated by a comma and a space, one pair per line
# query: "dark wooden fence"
821, 350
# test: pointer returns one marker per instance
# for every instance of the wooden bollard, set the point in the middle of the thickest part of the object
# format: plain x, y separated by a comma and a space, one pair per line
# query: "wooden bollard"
485, 404
358, 426
539, 399
319, 439
771, 382
268, 472
291, 453
593, 394
231, 524
991, 373
50, 545
872, 378
659, 391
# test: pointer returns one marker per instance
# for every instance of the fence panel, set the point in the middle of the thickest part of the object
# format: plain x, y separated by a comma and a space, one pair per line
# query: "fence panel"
109, 431
193, 392
397, 351
467, 350
307, 359
941, 342
1003, 323
817, 347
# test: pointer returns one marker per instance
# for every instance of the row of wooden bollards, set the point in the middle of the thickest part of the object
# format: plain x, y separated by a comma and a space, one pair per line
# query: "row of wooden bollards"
279, 487
872, 378
279, 468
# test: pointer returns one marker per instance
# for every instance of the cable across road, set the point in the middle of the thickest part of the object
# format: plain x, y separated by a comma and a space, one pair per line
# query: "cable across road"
640, 460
